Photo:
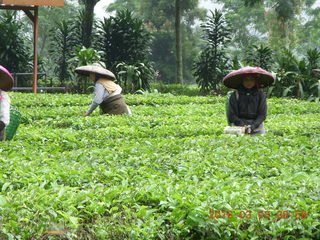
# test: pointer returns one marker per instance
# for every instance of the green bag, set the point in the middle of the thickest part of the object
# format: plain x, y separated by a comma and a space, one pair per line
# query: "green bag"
11, 129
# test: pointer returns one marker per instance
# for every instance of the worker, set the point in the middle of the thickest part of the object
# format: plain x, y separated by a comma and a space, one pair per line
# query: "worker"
107, 93
247, 105
6, 83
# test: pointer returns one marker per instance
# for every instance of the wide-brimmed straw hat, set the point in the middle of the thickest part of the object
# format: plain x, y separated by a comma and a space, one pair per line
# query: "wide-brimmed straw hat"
6, 79
97, 69
262, 77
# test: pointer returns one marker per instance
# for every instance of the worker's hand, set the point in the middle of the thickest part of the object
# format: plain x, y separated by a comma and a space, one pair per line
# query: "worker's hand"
86, 114
248, 129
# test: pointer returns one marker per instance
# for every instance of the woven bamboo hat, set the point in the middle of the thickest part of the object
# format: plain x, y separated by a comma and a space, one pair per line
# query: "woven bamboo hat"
262, 77
6, 79
97, 69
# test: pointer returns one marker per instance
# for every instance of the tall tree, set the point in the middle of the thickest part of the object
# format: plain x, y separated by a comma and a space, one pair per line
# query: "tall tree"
62, 48
257, 21
179, 66
285, 9
212, 64
159, 16
88, 19
123, 38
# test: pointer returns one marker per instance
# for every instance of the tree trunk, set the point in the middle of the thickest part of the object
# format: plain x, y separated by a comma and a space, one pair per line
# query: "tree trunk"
179, 71
88, 21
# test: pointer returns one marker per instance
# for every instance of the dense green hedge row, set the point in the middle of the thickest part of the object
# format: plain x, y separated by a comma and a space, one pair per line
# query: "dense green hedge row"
158, 173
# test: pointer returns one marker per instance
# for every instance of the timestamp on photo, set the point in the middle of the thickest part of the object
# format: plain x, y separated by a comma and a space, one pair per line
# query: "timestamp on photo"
249, 214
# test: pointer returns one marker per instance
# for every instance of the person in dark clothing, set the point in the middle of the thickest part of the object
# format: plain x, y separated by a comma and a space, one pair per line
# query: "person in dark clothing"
248, 106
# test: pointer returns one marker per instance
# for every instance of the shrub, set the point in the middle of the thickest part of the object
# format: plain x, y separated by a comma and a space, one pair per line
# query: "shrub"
213, 64
14, 52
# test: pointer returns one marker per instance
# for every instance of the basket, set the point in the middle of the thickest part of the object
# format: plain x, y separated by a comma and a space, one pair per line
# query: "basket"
11, 129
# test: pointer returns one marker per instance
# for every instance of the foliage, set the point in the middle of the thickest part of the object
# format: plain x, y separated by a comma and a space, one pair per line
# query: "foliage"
286, 9
83, 56
309, 32
14, 52
212, 65
260, 56
87, 21
159, 17
295, 77
62, 48
48, 16
158, 173
123, 38
135, 77
175, 89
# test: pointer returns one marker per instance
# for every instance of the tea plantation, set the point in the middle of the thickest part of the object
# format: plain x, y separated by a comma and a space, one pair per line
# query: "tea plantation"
166, 172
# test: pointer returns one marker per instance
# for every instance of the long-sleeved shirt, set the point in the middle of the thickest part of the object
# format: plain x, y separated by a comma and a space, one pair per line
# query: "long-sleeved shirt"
249, 109
101, 94
4, 107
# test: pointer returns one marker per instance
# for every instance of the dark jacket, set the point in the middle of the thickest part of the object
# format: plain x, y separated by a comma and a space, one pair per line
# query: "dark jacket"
249, 109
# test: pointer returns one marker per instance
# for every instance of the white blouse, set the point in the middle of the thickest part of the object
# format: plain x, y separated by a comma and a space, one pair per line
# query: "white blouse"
4, 107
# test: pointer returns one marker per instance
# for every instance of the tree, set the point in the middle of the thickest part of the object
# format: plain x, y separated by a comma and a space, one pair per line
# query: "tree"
179, 66
159, 17
285, 9
295, 77
123, 38
62, 48
257, 21
260, 56
88, 20
309, 33
48, 16
14, 52
125, 43
212, 64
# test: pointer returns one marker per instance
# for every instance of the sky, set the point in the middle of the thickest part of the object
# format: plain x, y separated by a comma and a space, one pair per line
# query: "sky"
208, 4
100, 7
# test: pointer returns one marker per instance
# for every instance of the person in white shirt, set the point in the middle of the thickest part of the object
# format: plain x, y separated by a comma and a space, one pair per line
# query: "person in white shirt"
6, 83
107, 93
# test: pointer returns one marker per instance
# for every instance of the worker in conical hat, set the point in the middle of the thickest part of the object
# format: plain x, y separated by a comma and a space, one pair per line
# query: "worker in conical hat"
247, 105
6, 83
107, 93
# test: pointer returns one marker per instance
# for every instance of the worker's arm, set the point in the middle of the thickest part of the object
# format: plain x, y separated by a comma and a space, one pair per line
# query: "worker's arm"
4, 109
100, 93
262, 111
233, 111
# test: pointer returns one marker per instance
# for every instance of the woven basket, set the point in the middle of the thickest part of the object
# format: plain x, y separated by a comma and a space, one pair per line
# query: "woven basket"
11, 129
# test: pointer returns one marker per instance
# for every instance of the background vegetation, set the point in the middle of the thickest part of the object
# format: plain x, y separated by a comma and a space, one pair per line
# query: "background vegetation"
280, 36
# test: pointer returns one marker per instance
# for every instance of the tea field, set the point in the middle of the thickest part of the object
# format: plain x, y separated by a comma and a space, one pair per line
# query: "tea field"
166, 172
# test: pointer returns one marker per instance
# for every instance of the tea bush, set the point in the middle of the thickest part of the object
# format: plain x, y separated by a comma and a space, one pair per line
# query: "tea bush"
158, 173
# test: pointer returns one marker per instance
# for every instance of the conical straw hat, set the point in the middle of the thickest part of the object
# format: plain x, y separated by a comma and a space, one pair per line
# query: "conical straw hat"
262, 77
95, 68
6, 79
